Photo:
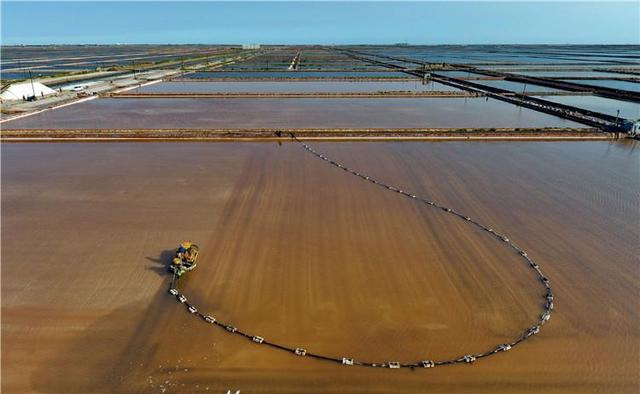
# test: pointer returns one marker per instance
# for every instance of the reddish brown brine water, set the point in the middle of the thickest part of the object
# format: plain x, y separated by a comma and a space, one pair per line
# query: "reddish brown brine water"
290, 113
304, 254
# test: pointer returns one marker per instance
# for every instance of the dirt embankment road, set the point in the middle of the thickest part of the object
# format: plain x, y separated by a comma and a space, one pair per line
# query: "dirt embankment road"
301, 253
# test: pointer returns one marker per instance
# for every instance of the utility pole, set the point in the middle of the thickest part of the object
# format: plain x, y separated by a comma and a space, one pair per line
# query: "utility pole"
33, 89
133, 68
523, 90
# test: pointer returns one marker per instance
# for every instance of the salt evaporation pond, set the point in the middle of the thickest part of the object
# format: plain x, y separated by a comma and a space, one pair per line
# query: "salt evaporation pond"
243, 113
292, 87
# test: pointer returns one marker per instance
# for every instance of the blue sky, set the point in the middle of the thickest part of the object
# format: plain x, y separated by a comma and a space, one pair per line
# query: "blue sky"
479, 22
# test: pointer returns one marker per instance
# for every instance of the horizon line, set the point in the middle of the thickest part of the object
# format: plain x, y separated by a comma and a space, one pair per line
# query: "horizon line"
319, 44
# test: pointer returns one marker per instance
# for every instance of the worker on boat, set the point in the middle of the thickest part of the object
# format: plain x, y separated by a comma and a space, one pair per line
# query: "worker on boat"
184, 247
186, 253
183, 250
185, 258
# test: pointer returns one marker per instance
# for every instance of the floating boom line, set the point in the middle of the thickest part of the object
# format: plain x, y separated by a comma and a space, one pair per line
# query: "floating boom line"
529, 332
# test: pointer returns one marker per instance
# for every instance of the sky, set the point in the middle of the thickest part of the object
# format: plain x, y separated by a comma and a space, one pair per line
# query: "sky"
307, 22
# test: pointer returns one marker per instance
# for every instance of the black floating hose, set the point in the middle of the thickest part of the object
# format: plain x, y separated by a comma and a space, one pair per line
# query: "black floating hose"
427, 363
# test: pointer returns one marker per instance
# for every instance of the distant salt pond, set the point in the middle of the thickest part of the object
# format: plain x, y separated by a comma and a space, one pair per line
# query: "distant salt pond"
604, 105
298, 74
609, 83
243, 113
292, 86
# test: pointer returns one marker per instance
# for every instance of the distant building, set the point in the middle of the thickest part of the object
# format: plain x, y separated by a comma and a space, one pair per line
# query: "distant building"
24, 90
250, 46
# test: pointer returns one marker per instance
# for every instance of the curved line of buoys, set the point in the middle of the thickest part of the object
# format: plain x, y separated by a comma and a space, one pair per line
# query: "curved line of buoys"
425, 363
